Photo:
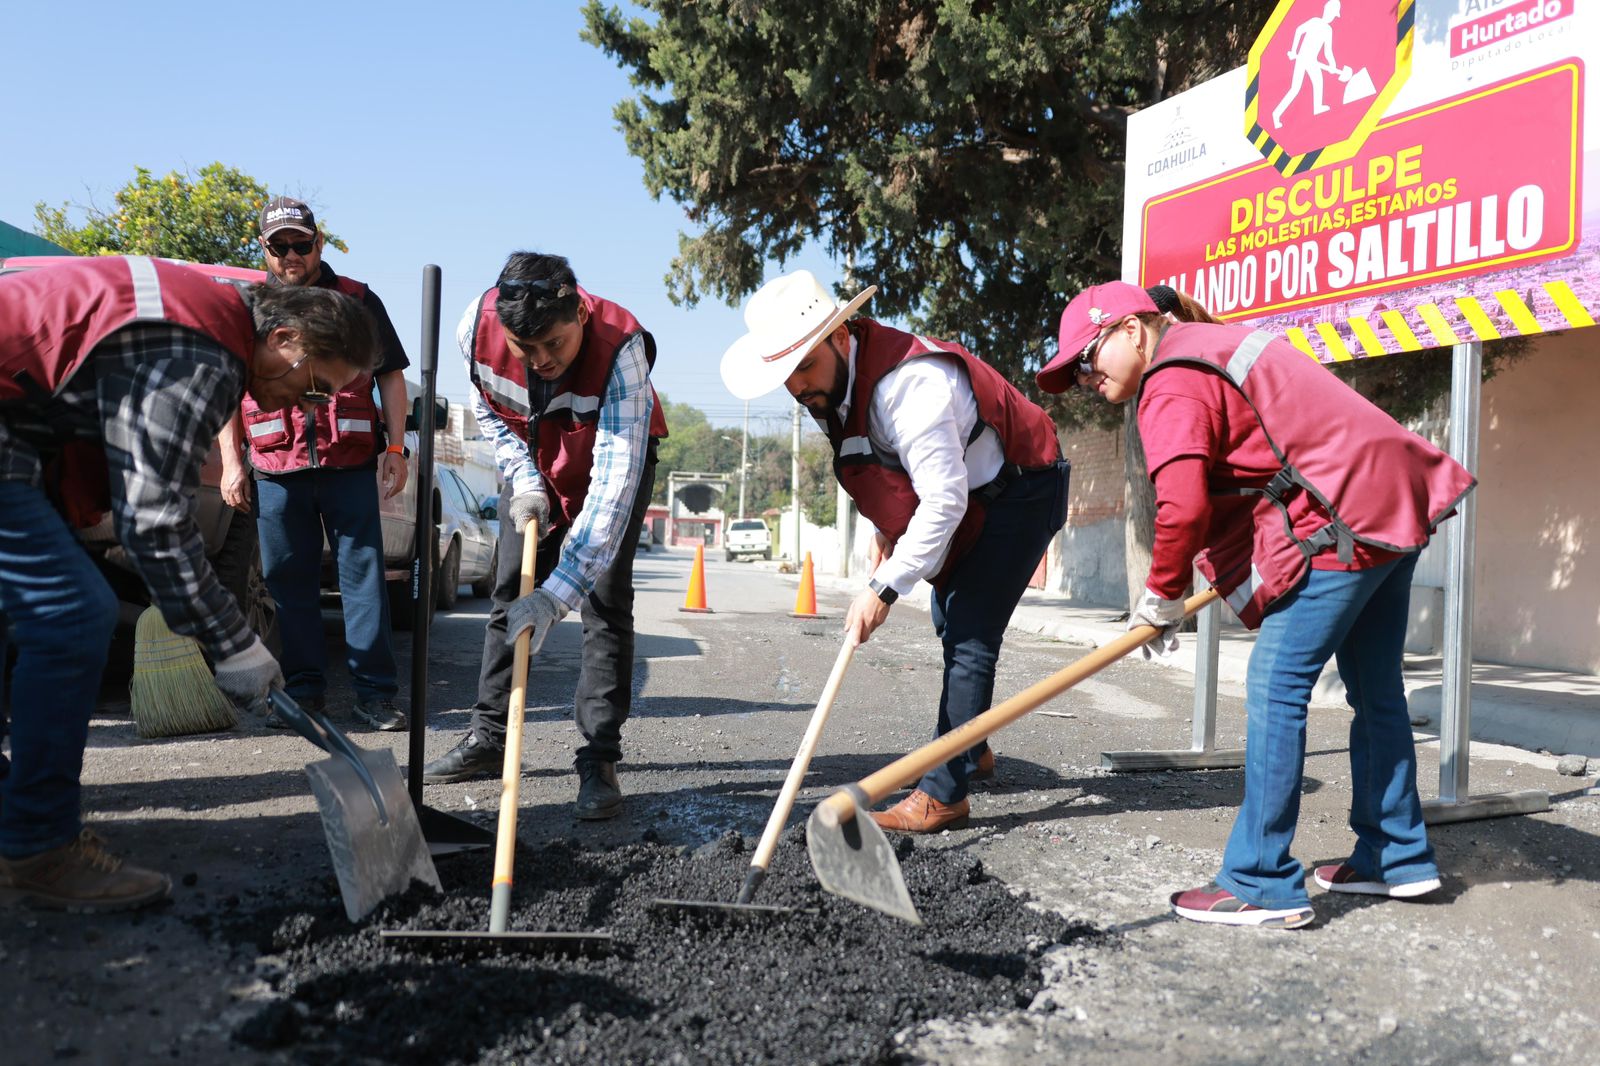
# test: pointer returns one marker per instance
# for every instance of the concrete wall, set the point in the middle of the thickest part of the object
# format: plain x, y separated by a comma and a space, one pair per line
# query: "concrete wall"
1538, 551
1086, 562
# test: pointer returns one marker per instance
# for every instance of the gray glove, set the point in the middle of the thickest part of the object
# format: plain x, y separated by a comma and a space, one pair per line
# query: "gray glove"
538, 611
1165, 615
529, 506
245, 677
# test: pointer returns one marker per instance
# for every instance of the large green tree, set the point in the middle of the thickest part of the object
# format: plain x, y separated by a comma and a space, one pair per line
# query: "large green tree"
963, 156
208, 215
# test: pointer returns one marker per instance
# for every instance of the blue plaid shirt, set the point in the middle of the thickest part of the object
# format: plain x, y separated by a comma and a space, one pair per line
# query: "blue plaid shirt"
621, 444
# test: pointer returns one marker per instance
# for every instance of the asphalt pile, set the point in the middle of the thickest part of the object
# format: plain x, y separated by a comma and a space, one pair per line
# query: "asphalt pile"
834, 983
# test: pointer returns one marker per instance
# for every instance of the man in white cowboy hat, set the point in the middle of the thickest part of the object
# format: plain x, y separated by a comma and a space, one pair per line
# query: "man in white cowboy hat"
959, 472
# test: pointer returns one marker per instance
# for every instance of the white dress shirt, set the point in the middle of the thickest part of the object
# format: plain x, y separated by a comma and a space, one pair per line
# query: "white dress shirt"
923, 411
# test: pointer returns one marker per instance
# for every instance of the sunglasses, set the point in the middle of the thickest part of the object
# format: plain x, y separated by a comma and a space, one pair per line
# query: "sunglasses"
315, 395
297, 247
1086, 360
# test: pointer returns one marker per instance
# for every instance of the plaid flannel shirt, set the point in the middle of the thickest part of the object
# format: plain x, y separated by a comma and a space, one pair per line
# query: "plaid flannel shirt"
621, 445
155, 396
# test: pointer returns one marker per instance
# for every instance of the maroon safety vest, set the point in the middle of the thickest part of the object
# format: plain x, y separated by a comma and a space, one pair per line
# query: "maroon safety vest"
566, 426
880, 487
1350, 472
51, 319
342, 434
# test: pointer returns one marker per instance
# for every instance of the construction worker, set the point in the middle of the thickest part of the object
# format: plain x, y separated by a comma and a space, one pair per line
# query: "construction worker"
563, 389
1306, 507
314, 478
961, 475
115, 376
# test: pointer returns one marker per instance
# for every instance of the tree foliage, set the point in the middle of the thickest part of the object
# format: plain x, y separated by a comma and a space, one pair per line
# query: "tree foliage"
206, 216
694, 444
963, 156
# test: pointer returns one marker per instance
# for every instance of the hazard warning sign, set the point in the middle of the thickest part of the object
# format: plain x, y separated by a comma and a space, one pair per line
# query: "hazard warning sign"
1321, 75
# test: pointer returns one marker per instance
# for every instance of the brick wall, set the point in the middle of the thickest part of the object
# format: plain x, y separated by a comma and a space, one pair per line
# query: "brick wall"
1097, 476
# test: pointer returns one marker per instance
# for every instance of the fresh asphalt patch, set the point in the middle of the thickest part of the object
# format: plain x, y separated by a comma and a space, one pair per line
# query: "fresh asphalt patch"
832, 983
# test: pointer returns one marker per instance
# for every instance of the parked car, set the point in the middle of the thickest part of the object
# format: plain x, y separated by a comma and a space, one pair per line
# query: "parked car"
747, 537
469, 540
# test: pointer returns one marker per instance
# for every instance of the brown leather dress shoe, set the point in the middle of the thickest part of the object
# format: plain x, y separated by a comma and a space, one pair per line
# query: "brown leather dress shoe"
921, 813
985, 768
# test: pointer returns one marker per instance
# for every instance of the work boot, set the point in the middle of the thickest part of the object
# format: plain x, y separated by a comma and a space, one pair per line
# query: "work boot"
599, 793
81, 877
921, 813
381, 712
470, 759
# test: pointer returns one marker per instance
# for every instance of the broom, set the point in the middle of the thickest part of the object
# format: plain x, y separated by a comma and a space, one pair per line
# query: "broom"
172, 693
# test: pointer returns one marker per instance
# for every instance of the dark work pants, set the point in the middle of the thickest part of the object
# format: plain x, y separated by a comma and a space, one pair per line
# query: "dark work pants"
605, 676
971, 611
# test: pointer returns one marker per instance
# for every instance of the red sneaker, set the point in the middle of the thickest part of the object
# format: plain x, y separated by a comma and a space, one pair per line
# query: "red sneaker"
1343, 878
1214, 904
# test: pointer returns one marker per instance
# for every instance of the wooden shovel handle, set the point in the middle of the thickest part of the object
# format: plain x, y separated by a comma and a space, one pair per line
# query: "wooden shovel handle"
840, 806
505, 841
802, 759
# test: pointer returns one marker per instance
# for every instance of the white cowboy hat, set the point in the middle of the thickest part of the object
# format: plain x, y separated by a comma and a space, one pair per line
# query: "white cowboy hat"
786, 318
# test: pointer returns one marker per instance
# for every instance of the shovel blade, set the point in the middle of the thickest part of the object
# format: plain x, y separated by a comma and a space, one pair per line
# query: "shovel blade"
1359, 87
373, 857
855, 860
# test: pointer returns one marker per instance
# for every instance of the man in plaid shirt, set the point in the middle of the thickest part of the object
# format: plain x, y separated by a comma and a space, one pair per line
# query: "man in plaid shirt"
115, 375
563, 389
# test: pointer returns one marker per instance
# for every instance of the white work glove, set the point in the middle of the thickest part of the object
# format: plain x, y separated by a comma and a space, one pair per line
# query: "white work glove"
538, 611
247, 676
1165, 615
529, 506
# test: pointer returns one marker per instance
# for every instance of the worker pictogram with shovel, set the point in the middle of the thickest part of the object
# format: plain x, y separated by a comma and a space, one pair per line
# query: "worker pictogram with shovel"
1365, 44
1312, 55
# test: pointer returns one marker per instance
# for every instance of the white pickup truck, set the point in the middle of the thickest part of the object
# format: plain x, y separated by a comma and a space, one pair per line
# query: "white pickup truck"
747, 536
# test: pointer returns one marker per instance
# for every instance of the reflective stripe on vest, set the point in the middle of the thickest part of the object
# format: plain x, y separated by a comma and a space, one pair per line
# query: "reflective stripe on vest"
510, 393
1240, 597
586, 408
1245, 356
261, 429
355, 425
146, 288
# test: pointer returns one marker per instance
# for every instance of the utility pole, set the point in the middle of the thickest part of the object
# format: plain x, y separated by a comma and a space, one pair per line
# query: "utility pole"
794, 482
744, 456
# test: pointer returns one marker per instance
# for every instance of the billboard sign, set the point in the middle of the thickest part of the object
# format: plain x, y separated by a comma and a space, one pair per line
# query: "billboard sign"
1370, 200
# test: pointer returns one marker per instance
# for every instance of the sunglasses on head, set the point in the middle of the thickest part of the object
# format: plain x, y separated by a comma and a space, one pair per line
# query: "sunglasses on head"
297, 247
544, 289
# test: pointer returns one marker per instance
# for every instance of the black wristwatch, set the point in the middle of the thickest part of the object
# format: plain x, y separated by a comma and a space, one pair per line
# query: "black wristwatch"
883, 592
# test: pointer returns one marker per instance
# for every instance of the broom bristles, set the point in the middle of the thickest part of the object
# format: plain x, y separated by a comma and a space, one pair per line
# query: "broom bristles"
172, 693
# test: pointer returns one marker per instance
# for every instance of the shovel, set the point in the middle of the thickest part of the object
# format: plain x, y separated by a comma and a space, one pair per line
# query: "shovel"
373, 836
850, 854
780, 811
499, 938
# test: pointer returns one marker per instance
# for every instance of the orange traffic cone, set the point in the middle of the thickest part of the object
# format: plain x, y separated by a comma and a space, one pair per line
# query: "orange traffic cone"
805, 600
695, 601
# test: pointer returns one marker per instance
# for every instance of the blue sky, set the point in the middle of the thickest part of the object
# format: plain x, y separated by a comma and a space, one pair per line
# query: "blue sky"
420, 133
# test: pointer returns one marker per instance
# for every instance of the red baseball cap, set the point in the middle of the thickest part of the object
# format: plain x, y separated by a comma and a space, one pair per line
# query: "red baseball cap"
1090, 312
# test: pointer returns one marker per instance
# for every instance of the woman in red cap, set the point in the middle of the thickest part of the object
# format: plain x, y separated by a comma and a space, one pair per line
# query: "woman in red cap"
1306, 506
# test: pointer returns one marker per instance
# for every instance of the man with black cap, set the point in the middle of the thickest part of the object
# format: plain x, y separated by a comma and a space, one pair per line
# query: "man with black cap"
959, 472
315, 475
563, 389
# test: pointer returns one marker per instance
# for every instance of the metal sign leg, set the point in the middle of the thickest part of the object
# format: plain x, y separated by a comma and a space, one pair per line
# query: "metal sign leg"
1201, 754
1455, 804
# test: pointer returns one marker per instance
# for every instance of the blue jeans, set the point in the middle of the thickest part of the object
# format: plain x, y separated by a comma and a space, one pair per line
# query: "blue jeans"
972, 610
294, 510
1359, 618
60, 613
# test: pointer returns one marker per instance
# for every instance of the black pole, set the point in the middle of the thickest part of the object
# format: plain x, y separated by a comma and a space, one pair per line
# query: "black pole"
422, 565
